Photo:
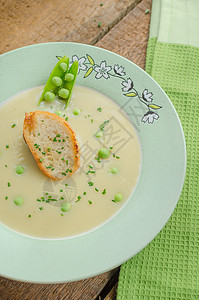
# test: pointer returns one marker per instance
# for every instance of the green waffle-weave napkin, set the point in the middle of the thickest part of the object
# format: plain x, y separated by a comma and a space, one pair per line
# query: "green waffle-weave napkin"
168, 268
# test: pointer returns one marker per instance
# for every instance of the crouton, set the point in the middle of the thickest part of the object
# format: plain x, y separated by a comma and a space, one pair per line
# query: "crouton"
53, 144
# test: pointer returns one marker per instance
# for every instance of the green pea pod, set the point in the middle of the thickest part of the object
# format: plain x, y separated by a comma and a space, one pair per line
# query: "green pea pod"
69, 85
56, 72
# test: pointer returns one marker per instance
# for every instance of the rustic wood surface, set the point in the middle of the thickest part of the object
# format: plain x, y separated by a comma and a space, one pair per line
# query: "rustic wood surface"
124, 30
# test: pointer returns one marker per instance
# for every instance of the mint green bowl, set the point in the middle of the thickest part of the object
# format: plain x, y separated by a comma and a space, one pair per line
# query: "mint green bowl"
161, 179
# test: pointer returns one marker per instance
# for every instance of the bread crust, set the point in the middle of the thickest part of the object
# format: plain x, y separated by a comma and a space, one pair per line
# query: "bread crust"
30, 123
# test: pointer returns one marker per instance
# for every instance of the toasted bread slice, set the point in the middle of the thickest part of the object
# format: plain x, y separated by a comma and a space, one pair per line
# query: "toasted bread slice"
52, 143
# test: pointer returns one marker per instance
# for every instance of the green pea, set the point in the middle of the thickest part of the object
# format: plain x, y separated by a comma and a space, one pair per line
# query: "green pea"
63, 67
49, 96
58, 113
18, 201
19, 170
104, 153
63, 93
69, 77
99, 134
118, 197
65, 206
114, 170
76, 112
57, 81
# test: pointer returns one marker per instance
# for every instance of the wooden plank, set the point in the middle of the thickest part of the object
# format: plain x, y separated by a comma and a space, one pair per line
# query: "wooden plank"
34, 21
80, 290
130, 36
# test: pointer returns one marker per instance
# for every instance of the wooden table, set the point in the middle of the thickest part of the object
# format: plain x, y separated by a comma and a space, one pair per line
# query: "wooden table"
121, 26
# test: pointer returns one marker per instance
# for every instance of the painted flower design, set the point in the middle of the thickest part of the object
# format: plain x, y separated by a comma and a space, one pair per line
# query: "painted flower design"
150, 116
88, 65
102, 70
81, 61
147, 96
119, 70
127, 85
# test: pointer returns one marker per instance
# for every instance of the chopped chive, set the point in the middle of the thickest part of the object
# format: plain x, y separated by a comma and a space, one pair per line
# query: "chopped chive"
62, 198
6, 197
48, 149
38, 134
117, 157
40, 149
99, 24
113, 154
54, 140
91, 120
62, 214
59, 152
90, 167
41, 208
42, 120
101, 4
103, 124
39, 200
6, 166
63, 140
96, 190
61, 191
29, 216
49, 197
9, 184
147, 11
42, 198
84, 193
62, 158
67, 161
49, 167
64, 174
111, 148
92, 172
58, 135
7, 146
13, 125
90, 183
66, 184
44, 153
99, 109
90, 202
104, 192
59, 141
66, 119
79, 197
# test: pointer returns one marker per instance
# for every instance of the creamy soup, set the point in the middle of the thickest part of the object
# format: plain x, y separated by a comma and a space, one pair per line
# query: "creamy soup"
91, 190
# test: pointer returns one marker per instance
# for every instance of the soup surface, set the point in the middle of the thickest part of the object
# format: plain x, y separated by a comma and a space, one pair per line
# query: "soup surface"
90, 190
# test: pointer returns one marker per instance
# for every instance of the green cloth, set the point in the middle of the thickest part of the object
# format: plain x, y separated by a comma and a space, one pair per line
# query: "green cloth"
168, 268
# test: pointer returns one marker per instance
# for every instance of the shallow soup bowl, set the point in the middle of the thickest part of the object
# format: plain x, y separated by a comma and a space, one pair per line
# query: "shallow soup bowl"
161, 177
